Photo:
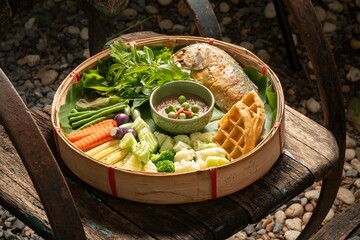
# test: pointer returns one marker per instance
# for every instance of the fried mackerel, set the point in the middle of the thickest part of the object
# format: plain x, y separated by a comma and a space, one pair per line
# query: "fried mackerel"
217, 70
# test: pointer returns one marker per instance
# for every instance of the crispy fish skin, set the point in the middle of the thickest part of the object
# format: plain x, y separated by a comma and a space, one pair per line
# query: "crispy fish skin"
217, 70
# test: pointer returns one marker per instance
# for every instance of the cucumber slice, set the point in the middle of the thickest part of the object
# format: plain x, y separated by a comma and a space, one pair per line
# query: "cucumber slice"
168, 144
151, 140
139, 124
127, 141
141, 151
160, 137
213, 161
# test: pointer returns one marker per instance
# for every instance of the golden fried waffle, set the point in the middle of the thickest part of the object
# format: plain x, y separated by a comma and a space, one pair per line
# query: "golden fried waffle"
253, 103
241, 126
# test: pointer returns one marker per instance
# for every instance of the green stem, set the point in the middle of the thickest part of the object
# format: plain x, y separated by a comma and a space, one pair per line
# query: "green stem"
97, 120
104, 112
74, 117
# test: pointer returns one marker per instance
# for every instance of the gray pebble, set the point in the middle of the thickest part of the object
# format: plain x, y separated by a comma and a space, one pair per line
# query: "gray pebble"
129, 13
224, 7
313, 105
6, 46
249, 229
7, 224
355, 163
350, 142
277, 228
18, 226
269, 10
32, 59
49, 77
293, 224
321, 13
28, 85
357, 183
8, 235
10, 219
179, 28
151, 10
336, 7
38, 93
329, 27
258, 226
264, 55
352, 173
166, 24
291, 235
41, 46
249, 46
353, 75
349, 154
261, 231
84, 33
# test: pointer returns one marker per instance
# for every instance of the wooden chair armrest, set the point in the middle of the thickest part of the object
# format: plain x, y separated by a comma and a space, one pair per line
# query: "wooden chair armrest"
329, 89
40, 163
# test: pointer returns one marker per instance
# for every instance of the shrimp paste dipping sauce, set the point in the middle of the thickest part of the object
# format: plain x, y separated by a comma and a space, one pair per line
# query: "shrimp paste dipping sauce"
189, 104
182, 106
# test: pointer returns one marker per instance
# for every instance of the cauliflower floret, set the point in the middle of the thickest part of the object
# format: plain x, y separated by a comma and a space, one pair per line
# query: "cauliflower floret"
201, 163
186, 166
184, 154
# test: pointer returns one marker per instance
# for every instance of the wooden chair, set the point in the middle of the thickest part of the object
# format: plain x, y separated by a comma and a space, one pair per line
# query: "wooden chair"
303, 165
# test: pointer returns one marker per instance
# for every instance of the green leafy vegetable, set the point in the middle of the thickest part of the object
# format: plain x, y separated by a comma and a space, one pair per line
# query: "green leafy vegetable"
73, 95
131, 73
84, 105
266, 93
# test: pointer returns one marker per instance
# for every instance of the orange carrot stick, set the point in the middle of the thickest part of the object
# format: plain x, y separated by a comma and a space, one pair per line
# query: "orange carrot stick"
79, 134
93, 140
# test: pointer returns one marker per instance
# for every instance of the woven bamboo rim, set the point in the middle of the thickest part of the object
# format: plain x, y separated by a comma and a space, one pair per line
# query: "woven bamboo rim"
165, 188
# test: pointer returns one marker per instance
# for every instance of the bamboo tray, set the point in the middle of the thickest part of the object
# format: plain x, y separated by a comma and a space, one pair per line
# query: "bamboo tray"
173, 188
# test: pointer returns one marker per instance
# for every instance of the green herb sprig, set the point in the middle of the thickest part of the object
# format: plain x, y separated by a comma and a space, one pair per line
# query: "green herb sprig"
131, 73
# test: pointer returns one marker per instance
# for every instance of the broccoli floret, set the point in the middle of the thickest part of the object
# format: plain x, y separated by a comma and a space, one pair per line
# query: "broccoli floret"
165, 166
164, 155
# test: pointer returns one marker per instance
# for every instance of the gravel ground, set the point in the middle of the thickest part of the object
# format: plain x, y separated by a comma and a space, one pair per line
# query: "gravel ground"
45, 43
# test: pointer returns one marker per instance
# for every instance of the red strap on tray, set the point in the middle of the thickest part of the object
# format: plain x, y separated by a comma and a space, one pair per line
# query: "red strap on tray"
278, 125
75, 76
211, 41
213, 182
111, 179
264, 69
